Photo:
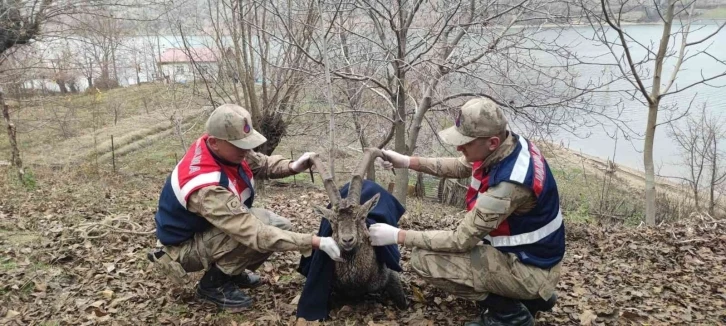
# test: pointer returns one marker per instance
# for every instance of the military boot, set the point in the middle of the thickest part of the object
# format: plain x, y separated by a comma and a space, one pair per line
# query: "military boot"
218, 288
247, 280
501, 311
536, 305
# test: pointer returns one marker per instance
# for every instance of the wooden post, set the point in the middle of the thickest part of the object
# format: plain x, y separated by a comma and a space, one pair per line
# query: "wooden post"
113, 155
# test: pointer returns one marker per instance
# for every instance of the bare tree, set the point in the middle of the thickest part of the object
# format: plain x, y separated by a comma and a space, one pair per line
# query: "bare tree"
699, 139
427, 54
606, 19
21, 24
101, 35
258, 69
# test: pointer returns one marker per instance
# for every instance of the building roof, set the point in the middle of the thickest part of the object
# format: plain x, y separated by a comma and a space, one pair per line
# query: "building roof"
181, 55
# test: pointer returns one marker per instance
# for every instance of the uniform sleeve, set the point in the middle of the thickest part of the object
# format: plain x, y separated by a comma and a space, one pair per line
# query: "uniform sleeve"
224, 210
447, 167
268, 167
492, 207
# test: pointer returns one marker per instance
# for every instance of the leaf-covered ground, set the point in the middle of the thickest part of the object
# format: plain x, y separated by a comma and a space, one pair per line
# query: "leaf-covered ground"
58, 268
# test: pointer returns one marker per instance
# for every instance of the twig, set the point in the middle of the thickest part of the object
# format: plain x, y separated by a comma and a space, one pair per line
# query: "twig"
84, 230
692, 240
620, 218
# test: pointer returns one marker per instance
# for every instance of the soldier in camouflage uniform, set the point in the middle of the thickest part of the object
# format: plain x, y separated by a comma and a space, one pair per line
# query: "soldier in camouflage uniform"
205, 220
506, 252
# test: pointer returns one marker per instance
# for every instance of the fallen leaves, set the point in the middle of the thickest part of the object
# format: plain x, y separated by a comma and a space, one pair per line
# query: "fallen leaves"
611, 275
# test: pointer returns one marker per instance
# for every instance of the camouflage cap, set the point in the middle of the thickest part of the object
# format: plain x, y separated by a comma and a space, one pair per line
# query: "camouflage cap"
233, 123
479, 117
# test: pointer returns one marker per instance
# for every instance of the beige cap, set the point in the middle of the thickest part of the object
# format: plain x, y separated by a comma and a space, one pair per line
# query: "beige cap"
479, 117
233, 123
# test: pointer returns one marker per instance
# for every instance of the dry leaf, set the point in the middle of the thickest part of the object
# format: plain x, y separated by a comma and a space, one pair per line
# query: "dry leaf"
98, 303
11, 314
417, 294
587, 317
108, 294
295, 300
40, 287
110, 267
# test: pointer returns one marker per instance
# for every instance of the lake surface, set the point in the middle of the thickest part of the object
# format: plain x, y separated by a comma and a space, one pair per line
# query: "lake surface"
601, 141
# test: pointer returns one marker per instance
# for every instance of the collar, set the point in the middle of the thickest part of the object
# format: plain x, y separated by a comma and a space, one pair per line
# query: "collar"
506, 148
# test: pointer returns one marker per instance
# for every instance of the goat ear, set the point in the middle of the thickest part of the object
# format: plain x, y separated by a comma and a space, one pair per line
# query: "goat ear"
328, 214
368, 206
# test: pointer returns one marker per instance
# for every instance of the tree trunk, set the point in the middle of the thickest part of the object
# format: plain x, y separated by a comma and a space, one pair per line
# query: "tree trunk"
62, 86
654, 103
16, 161
401, 188
714, 173
418, 117
695, 196
273, 127
115, 66
89, 78
72, 86
420, 187
452, 192
650, 209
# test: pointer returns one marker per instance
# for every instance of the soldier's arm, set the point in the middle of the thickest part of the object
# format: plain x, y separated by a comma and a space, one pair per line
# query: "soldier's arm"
269, 167
492, 207
224, 210
445, 167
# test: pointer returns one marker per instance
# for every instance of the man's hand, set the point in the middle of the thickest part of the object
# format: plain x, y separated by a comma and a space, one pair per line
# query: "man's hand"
302, 163
328, 245
395, 159
383, 234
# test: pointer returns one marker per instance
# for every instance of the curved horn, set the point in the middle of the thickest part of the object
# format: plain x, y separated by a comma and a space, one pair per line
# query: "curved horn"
356, 182
328, 182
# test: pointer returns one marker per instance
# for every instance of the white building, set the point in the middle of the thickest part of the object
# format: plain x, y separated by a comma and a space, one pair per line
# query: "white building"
177, 65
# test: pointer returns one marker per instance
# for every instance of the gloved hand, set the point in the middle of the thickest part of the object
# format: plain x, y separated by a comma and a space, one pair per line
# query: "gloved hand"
302, 163
328, 245
397, 160
383, 234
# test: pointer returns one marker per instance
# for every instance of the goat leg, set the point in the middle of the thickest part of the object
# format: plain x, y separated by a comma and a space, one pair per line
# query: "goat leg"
394, 288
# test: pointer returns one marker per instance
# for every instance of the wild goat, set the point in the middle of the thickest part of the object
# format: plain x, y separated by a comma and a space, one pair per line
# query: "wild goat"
361, 273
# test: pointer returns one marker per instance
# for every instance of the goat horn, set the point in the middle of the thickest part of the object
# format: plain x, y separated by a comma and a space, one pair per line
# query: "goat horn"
328, 180
356, 183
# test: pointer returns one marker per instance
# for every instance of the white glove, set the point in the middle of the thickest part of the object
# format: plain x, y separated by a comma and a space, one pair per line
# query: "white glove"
396, 159
383, 234
302, 163
328, 245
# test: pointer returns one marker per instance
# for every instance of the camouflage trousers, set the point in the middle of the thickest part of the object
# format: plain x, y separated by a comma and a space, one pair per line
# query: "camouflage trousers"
473, 275
216, 247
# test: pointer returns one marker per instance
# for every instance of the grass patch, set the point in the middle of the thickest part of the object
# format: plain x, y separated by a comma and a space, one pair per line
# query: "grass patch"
715, 13
8, 265
44, 121
586, 197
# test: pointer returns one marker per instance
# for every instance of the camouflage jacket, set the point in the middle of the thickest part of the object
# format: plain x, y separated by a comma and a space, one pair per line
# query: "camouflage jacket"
492, 207
224, 211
